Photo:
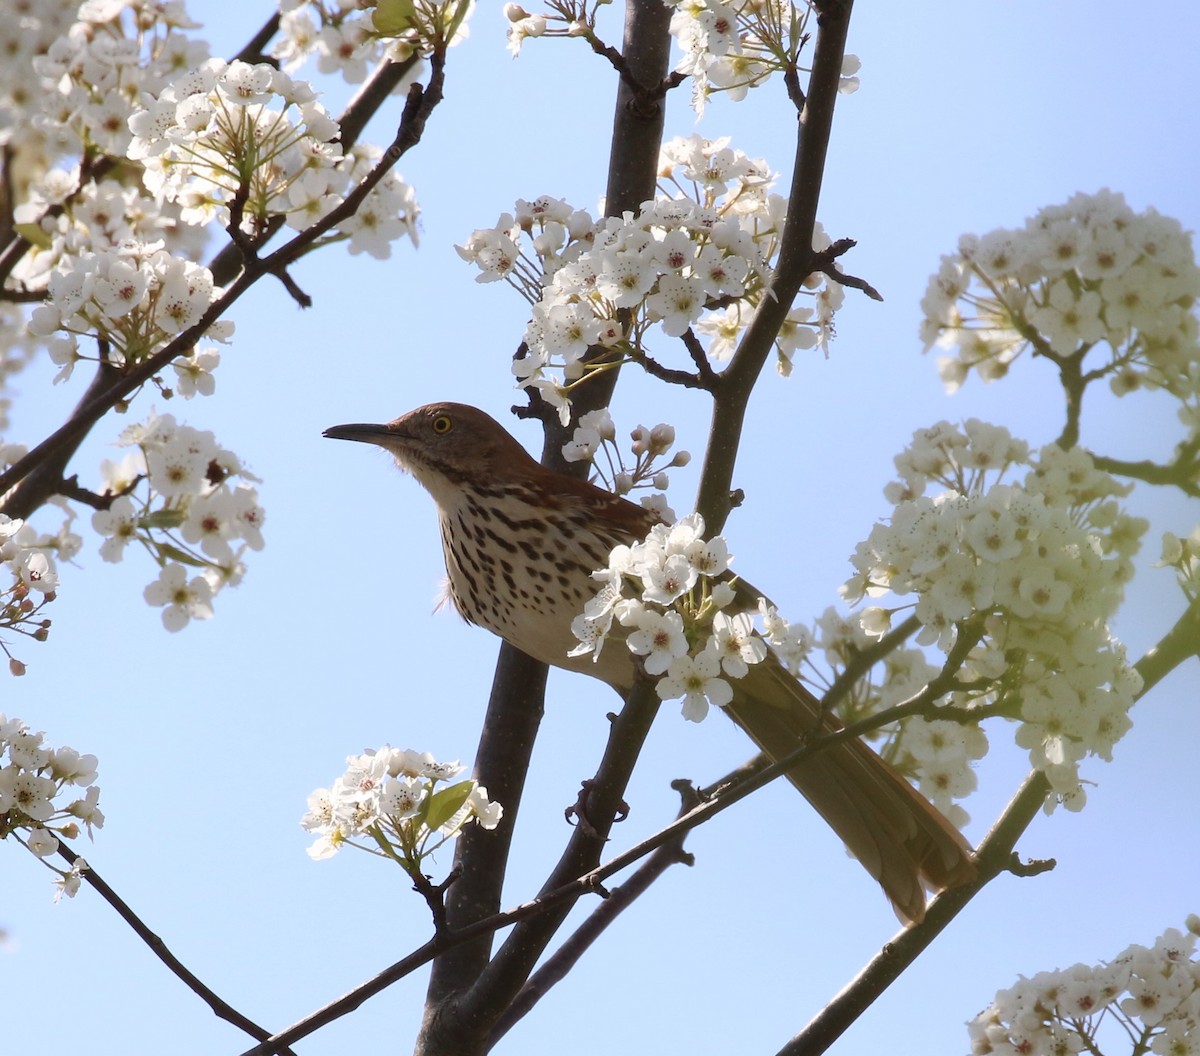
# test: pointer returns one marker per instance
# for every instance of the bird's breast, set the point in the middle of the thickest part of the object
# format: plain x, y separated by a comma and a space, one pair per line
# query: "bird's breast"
524, 573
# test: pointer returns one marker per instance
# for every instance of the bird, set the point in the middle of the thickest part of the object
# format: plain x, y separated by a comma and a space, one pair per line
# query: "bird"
520, 543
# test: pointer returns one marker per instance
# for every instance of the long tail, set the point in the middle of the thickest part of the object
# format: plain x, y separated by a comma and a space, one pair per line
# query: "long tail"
903, 841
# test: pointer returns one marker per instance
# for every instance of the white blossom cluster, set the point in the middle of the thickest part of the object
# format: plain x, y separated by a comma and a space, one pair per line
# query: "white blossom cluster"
70, 78
32, 778
1183, 555
731, 46
27, 558
1145, 1000
388, 802
124, 144
351, 37
186, 501
596, 433
95, 71
667, 594
936, 754
1090, 278
130, 300
1015, 583
233, 133
700, 255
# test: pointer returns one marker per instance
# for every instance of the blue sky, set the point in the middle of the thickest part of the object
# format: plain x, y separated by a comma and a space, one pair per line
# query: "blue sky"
970, 117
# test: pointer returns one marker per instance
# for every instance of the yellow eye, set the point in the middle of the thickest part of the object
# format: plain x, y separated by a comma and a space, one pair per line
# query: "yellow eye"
442, 424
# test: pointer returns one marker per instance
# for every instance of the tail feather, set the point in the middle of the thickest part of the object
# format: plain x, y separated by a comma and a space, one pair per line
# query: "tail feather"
901, 839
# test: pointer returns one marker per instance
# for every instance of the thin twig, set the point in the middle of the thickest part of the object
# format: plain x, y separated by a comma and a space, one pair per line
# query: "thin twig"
1183, 472
219, 1006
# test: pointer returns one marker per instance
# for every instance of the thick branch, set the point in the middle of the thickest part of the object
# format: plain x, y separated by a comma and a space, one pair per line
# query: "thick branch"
637, 135
796, 262
501, 764
618, 900
993, 857
460, 1025
638, 121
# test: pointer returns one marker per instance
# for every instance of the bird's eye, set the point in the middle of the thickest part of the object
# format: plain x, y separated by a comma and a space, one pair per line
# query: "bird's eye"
442, 424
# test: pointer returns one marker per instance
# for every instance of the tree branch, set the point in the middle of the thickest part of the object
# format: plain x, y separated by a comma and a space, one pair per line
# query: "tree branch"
618, 900
462, 1024
796, 263
993, 857
506, 743
37, 475
1183, 472
221, 1008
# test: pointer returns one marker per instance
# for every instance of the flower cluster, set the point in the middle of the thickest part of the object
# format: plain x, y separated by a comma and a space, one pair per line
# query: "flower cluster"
94, 71
157, 143
1015, 584
179, 495
1148, 996
131, 299
1183, 555
669, 595
71, 77
27, 557
32, 778
699, 256
1088, 278
596, 432
564, 18
387, 802
231, 138
351, 38
732, 47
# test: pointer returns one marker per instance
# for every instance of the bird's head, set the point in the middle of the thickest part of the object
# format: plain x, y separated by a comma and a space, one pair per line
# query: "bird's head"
444, 445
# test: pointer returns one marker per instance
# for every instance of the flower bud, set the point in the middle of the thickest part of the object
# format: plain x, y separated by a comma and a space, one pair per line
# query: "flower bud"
662, 436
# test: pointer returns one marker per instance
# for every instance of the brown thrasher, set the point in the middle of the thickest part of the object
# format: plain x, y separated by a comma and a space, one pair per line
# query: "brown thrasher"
521, 542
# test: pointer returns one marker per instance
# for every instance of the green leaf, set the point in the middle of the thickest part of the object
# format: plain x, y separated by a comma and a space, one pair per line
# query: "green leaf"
34, 235
162, 519
441, 806
175, 554
393, 17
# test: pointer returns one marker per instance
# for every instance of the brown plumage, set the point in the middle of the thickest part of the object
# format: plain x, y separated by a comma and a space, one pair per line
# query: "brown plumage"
520, 543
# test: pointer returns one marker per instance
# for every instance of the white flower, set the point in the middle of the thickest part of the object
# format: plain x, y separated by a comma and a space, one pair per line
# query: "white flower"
119, 524
735, 642
697, 680
194, 372
487, 813
402, 797
659, 638
42, 842
666, 578
184, 600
